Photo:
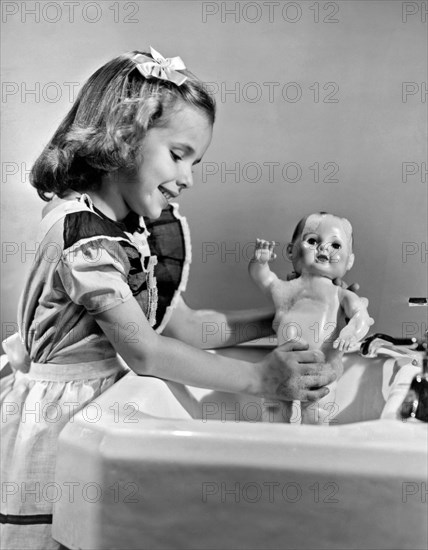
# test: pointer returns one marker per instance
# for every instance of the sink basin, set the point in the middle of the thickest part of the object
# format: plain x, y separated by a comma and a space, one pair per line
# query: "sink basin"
161, 466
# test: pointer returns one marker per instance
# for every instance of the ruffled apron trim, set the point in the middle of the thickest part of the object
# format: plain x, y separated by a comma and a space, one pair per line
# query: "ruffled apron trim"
185, 272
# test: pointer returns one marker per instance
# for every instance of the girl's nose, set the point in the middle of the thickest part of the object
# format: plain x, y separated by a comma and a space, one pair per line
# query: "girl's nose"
185, 178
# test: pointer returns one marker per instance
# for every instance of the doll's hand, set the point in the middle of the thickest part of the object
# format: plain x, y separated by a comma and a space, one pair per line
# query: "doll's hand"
292, 275
263, 252
345, 340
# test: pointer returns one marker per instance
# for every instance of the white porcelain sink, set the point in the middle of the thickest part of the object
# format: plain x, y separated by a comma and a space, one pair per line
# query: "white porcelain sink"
149, 475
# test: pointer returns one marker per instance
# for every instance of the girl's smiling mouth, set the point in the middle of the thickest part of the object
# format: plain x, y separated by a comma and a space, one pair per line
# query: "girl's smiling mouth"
167, 194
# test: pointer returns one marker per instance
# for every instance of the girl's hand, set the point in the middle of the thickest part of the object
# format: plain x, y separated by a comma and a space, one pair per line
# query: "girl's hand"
263, 252
291, 371
354, 287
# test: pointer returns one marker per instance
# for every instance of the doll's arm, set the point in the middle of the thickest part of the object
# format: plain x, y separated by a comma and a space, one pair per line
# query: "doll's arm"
359, 320
258, 267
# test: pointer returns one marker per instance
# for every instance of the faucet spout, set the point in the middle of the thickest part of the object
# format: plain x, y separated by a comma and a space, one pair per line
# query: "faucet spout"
372, 344
415, 404
382, 344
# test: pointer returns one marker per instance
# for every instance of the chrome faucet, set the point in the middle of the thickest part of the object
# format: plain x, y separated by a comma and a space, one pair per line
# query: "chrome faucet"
415, 404
379, 343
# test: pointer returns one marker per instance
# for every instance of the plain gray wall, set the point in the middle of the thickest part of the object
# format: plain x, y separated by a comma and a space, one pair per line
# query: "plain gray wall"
310, 87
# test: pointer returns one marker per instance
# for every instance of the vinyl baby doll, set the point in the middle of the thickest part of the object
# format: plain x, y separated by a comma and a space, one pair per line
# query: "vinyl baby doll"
311, 307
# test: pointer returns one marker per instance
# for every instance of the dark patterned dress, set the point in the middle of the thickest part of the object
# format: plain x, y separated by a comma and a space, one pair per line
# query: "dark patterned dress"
85, 264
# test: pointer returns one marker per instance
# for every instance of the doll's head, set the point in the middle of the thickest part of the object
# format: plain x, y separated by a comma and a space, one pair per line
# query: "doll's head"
322, 246
104, 130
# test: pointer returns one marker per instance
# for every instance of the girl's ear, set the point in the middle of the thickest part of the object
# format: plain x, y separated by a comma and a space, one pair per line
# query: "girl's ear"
289, 251
350, 262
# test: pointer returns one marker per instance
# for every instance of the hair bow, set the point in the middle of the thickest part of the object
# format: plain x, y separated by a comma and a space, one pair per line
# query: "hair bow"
161, 67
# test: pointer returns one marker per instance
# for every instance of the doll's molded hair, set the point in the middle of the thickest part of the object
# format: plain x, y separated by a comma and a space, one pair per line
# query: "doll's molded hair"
103, 130
301, 225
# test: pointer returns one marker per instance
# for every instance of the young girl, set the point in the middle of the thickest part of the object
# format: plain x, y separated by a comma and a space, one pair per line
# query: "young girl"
104, 284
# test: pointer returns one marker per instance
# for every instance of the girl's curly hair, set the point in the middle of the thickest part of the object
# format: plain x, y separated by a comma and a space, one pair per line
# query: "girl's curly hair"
103, 130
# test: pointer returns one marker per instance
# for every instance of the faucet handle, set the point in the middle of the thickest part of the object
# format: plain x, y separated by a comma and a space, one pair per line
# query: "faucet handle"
415, 404
370, 343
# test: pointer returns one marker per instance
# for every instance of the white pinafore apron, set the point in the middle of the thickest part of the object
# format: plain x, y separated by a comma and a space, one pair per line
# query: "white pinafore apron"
37, 400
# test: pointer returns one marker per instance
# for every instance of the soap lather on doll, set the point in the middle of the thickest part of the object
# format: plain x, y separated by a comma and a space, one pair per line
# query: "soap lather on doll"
311, 307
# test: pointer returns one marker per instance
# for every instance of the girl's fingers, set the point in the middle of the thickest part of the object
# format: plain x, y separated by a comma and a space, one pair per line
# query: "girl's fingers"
293, 345
353, 287
315, 395
317, 381
312, 361
303, 355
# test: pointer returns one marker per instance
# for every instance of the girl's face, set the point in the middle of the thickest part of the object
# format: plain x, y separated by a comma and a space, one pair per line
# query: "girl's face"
164, 166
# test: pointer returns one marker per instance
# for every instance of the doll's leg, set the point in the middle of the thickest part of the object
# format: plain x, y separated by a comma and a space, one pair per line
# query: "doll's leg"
283, 411
278, 411
323, 412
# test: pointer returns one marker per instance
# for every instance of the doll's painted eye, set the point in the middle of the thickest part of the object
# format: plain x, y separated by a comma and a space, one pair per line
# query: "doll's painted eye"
312, 241
336, 246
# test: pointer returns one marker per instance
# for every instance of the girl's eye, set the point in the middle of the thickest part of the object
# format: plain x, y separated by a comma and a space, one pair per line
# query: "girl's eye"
336, 246
175, 157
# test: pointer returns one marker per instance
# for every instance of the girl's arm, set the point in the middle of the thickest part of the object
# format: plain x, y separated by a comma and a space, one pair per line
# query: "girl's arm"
287, 373
359, 320
210, 329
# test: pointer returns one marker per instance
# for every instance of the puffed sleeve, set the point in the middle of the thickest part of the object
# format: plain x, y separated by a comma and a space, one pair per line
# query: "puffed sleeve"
94, 274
